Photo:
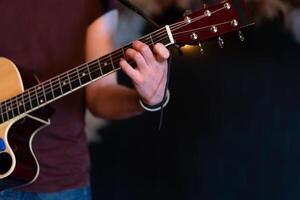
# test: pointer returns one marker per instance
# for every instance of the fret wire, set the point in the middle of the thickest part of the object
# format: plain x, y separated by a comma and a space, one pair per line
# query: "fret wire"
36, 94
50, 83
6, 110
10, 109
89, 72
111, 61
151, 39
99, 65
44, 93
29, 97
84, 71
78, 76
1, 113
105, 60
123, 52
60, 85
69, 81
23, 102
17, 103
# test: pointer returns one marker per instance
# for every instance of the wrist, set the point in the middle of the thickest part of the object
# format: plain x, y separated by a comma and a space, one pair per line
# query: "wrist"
156, 107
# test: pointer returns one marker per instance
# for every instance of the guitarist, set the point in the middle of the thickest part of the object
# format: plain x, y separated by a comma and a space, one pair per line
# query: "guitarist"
49, 37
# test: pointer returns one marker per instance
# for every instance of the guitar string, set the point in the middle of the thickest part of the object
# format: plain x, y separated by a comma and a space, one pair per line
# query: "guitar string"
43, 94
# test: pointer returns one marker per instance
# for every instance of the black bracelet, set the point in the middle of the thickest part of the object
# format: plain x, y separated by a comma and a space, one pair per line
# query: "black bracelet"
156, 107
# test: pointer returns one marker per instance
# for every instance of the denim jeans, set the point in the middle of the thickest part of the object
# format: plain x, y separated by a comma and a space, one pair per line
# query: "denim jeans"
72, 194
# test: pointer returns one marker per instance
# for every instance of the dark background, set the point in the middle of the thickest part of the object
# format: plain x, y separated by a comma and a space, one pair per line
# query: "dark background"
231, 129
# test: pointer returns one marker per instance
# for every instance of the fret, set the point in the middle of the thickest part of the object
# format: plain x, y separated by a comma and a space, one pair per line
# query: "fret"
1, 113
123, 52
20, 103
22, 96
41, 94
84, 75
65, 84
100, 67
42, 99
70, 81
89, 72
28, 104
95, 70
48, 91
111, 60
106, 68
15, 107
56, 87
74, 82
151, 39
78, 75
60, 85
51, 89
34, 98
5, 111
9, 110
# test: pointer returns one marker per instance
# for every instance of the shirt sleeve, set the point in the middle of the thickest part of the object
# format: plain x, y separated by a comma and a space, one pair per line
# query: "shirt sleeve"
97, 8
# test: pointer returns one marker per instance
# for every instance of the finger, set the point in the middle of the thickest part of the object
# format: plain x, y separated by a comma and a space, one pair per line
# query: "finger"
128, 69
136, 57
161, 52
145, 50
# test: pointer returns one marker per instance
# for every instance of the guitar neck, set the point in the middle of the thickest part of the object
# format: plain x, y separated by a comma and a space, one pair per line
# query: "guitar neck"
74, 79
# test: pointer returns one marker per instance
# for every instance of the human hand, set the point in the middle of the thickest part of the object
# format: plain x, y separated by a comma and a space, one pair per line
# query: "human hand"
150, 75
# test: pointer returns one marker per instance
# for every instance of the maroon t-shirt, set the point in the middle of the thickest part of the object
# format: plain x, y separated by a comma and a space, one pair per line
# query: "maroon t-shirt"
47, 37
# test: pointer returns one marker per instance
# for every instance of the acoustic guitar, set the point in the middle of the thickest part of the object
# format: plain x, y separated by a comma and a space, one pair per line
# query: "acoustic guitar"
23, 112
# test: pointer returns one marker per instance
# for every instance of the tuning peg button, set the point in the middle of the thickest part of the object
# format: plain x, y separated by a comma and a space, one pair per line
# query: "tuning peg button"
187, 19
234, 23
221, 42
227, 6
241, 36
207, 13
201, 48
194, 36
214, 29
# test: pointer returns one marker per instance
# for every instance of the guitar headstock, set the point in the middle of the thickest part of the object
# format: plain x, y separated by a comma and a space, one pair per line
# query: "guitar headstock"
214, 21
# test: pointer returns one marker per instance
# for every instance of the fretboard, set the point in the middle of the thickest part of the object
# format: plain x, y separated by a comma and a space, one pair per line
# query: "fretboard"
74, 79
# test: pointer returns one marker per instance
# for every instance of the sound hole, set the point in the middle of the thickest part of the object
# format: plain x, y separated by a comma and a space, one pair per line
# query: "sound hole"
5, 163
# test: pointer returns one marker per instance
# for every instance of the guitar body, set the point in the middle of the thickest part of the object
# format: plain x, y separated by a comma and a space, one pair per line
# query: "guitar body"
18, 164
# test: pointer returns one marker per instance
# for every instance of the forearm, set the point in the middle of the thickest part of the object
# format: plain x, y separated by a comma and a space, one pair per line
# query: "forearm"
114, 102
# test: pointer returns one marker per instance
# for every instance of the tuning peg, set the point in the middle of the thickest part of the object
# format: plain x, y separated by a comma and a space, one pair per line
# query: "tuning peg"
241, 36
221, 42
201, 48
